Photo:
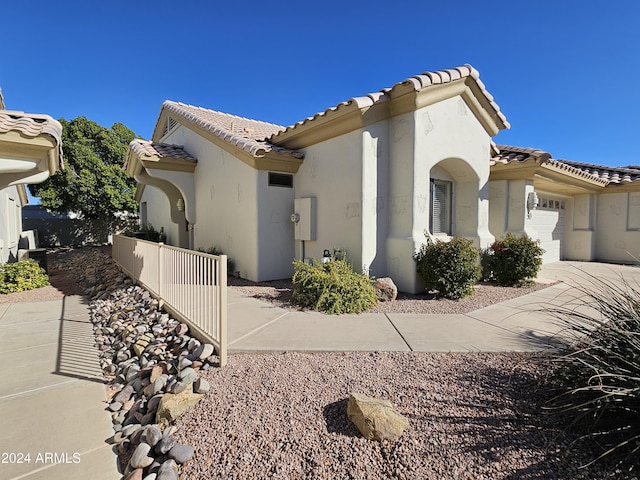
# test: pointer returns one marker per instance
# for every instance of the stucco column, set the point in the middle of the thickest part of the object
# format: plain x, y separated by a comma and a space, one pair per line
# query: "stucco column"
580, 239
517, 218
406, 227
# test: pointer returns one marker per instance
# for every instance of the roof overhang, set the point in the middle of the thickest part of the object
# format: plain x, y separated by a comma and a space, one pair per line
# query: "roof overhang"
404, 97
30, 148
167, 167
260, 159
549, 176
625, 187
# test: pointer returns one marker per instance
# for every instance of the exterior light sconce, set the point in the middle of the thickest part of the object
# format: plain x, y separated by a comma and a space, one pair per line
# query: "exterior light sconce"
532, 203
326, 256
180, 205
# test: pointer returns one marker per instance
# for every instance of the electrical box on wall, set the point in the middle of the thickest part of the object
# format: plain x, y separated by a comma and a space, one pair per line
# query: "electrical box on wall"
304, 218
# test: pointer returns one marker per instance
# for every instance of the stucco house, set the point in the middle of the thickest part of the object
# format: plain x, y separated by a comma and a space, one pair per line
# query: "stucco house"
584, 212
369, 177
30, 151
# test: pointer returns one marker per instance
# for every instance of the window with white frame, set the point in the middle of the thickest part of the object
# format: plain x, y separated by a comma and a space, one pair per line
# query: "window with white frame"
441, 193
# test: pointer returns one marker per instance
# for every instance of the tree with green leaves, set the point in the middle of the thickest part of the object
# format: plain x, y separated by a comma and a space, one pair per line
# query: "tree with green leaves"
93, 182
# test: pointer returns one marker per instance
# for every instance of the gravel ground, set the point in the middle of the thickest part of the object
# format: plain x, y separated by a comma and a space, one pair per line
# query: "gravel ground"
471, 416
283, 416
279, 293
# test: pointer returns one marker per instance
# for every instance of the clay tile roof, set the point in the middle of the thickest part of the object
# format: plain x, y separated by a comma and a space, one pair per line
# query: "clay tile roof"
613, 175
419, 82
507, 154
249, 135
144, 148
601, 174
30, 125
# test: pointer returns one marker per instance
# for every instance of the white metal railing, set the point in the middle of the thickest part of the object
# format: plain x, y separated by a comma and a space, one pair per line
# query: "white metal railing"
193, 285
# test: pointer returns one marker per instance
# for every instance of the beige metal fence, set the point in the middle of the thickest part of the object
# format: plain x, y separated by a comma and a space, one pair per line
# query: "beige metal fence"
193, 285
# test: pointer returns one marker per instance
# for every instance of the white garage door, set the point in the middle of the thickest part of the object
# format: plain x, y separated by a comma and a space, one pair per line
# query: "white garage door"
548, 220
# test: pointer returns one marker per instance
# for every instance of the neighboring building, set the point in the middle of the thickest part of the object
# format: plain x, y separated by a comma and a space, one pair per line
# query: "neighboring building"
30, 151
368, 176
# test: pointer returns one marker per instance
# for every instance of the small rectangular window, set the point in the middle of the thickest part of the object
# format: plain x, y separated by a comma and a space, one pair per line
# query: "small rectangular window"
440, 221
280, 180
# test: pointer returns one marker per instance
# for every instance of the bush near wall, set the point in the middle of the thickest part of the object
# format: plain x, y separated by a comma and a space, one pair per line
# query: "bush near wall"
451, 268
332, 287
231, 264
21, 276
514, 260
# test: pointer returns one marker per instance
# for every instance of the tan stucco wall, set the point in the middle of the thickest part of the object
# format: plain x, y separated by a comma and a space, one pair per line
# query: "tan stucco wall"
448, 136
580, 235
332, 173
10, 223
225, 202
618, 227
158, 213
275, 230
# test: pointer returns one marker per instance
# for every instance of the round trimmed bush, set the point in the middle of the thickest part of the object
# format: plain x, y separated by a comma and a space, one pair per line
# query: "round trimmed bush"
514, 260
451, 267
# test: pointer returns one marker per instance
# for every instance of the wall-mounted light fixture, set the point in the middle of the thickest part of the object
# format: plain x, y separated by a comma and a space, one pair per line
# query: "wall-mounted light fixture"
180, 205
532, 203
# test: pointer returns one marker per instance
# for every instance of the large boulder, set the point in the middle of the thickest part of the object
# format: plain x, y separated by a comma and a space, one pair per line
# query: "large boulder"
386, 290
173, 405
376, 419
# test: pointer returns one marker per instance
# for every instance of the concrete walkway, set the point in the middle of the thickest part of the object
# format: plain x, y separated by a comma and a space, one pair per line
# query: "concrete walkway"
52, 394
514, 325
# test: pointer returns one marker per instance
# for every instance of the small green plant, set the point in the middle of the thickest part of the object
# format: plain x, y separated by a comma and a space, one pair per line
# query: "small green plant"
147, 232
451, 268
514, 260
332, 287
214, 251
21, 276
599, 373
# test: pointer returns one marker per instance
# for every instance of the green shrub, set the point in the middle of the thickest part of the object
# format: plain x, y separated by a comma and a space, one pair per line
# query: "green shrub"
21, 276
332, 287
451, 267
514, 260
214, 251
599, 374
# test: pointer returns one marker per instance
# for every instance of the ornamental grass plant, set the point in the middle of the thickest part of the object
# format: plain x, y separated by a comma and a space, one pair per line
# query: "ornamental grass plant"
598, 376
332, 287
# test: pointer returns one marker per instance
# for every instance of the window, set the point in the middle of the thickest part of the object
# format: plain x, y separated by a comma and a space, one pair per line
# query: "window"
550, 204
440, 221
280, 180
171, 124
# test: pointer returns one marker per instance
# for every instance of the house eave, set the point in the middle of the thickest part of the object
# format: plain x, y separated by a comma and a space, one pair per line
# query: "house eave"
28, 159
404, 98
262, 160
549, 176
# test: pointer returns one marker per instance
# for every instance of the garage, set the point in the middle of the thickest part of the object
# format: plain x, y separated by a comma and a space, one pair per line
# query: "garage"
548, 220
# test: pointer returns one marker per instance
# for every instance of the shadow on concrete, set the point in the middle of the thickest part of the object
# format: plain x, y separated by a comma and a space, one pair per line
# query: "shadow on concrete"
77, 355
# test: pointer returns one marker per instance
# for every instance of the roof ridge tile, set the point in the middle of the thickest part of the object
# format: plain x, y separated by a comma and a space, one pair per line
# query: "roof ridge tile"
419, 82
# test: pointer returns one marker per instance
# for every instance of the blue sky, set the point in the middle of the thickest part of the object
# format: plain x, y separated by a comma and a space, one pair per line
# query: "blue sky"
564, 73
